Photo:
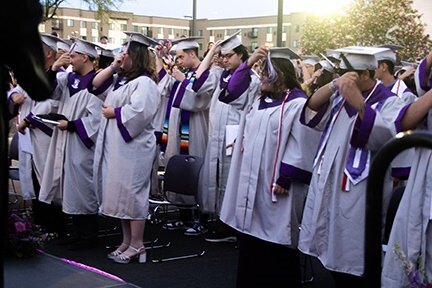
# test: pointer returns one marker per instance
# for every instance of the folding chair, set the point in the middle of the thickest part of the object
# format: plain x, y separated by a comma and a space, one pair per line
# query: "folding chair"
13, 171
181, 178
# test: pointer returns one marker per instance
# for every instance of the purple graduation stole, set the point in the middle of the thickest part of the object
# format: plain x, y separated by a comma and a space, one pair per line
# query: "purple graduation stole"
184, 119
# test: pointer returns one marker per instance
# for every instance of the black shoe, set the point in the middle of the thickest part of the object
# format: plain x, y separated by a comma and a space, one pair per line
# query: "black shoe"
83, 244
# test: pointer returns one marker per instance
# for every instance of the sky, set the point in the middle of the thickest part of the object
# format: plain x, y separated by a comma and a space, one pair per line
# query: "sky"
219, 9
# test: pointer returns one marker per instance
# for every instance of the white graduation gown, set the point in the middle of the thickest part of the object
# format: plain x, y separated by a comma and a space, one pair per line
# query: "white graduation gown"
125, 149
68, 174
333, 221
214, 173
269, 151
412, 226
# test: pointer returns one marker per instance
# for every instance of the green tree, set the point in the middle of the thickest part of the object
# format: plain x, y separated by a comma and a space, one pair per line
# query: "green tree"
370, 23
101, 6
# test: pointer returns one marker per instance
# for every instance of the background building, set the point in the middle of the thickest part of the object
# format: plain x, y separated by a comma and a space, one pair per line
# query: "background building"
256, 31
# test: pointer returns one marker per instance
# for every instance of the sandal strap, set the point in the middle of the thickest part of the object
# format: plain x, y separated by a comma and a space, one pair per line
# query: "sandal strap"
137, 250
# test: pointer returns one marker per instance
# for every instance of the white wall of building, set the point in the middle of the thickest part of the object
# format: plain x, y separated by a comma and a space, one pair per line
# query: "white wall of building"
425, 8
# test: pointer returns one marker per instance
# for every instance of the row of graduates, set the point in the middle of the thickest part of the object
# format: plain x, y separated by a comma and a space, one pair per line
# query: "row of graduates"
275, 181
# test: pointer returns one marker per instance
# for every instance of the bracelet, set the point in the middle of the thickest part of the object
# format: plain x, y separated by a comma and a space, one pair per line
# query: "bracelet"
332, 86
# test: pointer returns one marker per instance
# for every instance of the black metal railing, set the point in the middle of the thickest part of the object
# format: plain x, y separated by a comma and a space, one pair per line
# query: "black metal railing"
374, 199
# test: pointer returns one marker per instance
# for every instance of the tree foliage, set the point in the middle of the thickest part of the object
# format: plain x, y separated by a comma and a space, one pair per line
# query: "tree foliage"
100, 6
369, 23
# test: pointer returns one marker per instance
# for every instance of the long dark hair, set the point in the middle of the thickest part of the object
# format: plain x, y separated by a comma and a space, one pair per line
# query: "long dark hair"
286, 76
142, 62
241, 49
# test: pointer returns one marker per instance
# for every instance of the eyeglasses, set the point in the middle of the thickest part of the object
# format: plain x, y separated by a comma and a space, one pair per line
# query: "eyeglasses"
228, 55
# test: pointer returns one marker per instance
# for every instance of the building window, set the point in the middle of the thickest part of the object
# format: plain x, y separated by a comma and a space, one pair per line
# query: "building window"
200, 33
83, 37
83, 24
170, 31
94, 39
111, 40
70, 23
295, 43
200, 46
297, 28
94, 25
254, 45
144, 30
269, 30
211, 32
185, 32
123, 27
111, 26
226, 32
135, 28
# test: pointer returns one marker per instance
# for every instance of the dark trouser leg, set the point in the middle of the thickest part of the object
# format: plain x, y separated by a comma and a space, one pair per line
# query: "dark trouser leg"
86, 228
49, 216
265, 264
343, 280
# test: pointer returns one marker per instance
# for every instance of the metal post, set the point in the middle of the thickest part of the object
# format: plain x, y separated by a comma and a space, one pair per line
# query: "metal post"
194, 6
279, 24
374, 200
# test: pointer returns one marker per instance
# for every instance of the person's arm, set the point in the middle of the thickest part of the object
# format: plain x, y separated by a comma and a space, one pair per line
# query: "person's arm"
207, 61
417, 111
108, 72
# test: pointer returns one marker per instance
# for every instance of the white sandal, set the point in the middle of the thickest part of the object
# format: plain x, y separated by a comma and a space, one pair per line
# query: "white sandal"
118, 251
140, 253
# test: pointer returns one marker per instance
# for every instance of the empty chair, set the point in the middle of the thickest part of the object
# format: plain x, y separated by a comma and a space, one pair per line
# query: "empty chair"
180, 179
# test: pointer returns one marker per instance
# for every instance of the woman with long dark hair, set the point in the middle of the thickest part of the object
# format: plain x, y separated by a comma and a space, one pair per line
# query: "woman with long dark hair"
126, 143
269, 174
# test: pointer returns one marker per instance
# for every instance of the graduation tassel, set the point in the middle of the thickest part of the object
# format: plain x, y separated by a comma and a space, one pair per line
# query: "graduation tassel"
345, 183
273, 183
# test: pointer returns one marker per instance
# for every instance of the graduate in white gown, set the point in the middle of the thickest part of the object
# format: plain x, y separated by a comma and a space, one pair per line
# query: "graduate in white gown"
411, 233
357, 115
185, 129
225, 109
269, 174
68, 174
384, 72
126, 143
49, 216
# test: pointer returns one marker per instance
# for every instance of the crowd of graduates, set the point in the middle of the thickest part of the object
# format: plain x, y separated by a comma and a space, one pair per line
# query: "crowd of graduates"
287, 141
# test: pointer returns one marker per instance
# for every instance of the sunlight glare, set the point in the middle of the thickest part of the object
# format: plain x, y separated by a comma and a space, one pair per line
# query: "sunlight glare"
319, 7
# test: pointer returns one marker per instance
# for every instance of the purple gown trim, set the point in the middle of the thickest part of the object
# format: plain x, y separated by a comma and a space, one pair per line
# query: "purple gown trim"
198, 83
44, 128
84, 82
161, 74
180, 94
294, 94
317, 118
401, 173
398, 121
82, 133
289, 173
355, 172
123, 131
363, 128
238, 83
422, 75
